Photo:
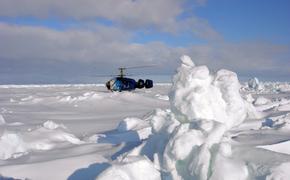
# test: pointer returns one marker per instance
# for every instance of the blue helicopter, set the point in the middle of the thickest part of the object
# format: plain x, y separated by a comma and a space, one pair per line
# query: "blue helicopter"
122, 83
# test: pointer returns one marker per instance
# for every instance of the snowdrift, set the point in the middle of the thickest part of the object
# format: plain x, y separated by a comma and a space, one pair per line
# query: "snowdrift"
15, 144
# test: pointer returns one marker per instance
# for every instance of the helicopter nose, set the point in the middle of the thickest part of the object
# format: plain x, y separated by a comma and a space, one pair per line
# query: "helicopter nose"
108, 85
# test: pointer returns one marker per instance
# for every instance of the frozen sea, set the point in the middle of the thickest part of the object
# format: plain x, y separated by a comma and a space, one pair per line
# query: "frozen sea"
78, 131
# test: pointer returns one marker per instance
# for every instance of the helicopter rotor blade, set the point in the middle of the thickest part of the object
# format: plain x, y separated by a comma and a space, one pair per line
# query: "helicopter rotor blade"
116, 75
123, 73
105, 75
136, 67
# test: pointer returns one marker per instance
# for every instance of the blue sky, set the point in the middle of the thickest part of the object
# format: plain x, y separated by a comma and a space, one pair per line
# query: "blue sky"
70, 41
240, 20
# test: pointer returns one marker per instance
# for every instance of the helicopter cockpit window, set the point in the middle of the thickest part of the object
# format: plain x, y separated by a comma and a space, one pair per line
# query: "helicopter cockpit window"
112, 82
108, 85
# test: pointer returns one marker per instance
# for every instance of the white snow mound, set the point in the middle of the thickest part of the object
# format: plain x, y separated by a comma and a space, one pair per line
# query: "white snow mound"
52, 125
261, 101
2, 120
197, 94
132, 167
255, 84
15, 144
284, 87
130, 124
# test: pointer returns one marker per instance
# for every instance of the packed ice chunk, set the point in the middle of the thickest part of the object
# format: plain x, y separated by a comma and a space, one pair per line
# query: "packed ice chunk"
261, 101
249, 98
132, 167
268, 87
52, 125
284, 107
130, 124
10, 145
180, 145
193, 96
2, 120
197, 94
285, 87
15, 144
139, 126
163, 122
226, 168
281, 122
236, 106
255, 84
162, 97
186, 60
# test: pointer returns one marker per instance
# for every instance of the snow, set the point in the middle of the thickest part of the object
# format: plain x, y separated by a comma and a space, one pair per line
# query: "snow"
234, 169
285, 107
163, 97
137, 168
138, 126
52, 125
255, 84
261, 101
205, 125
280, 173
267, 87
196, 94
15, 144
282, 147
2, 120
285, 87
131, 124
68, 128
74, 167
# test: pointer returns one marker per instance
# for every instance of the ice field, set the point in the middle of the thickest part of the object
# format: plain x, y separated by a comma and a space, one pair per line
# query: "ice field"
205, 125
51, 131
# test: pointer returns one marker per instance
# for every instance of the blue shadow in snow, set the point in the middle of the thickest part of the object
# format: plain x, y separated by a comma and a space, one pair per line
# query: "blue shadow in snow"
89, 173
127, 147
130, 139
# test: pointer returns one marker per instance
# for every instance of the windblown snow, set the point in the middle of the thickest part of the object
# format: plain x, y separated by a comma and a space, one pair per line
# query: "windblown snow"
205, 125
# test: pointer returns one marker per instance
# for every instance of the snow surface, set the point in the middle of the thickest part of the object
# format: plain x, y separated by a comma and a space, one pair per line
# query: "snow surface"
205, 125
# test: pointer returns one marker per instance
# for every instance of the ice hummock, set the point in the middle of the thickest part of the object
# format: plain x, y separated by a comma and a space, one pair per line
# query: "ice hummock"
190, 139
133, 167
2, 120
254, 83
196, 94
14, 144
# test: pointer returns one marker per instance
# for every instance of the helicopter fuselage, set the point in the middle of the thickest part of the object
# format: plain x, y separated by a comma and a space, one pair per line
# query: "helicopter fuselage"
127, 84
121, 84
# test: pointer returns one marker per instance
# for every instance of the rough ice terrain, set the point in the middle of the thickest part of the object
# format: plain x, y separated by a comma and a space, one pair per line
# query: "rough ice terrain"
205, 125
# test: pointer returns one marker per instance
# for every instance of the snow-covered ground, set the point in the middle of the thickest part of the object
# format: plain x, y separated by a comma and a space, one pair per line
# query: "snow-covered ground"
203, 126
58, 131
